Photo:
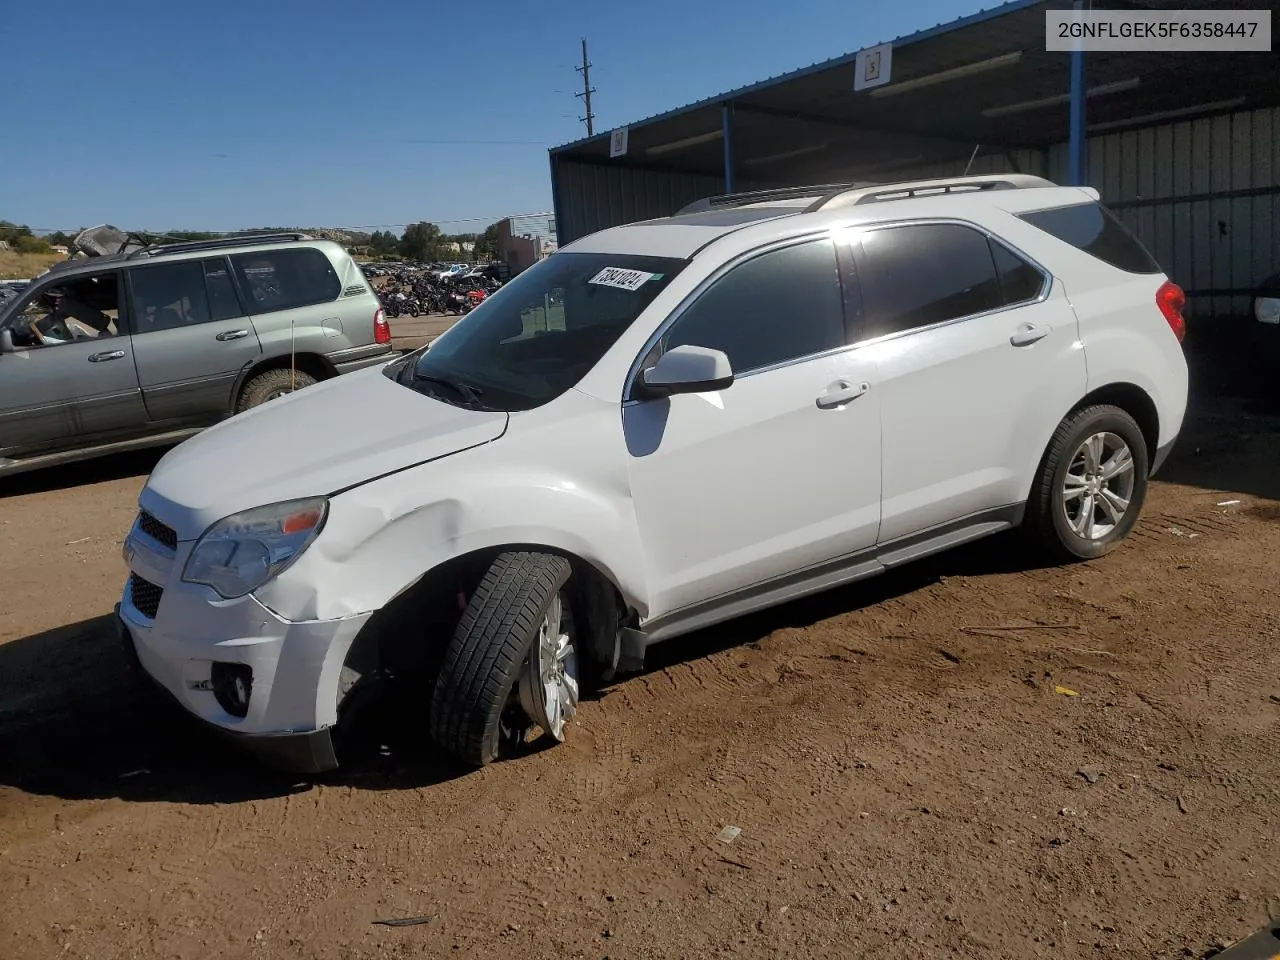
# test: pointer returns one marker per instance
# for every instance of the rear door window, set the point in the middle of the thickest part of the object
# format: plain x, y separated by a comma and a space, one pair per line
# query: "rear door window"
224, 304
921, 274
1020, 281
285, 279
168, 295
1093, 228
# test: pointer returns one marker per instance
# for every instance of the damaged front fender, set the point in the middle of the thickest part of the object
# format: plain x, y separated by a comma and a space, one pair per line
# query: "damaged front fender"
382, 538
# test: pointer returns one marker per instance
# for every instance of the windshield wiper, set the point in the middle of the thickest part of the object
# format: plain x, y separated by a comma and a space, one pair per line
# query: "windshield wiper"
468, 393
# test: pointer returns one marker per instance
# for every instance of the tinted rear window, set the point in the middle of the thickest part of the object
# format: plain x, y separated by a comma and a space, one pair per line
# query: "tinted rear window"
1093, 228
284, 279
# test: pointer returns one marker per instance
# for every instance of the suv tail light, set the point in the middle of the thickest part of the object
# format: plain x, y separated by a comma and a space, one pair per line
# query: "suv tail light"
1170, 299
381, 329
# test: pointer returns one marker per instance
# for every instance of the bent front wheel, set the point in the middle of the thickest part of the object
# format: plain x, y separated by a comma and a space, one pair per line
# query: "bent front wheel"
512, 661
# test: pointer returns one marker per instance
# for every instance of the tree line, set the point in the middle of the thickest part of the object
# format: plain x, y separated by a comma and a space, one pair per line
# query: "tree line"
426, 241
420, 241
21, 238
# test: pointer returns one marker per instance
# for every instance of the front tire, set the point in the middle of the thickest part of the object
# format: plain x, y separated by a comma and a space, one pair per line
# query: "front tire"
1090, 486
511, 662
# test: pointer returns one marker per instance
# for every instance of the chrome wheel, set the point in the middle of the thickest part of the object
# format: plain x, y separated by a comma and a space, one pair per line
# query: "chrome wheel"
276, 395
549, 684
1098, 487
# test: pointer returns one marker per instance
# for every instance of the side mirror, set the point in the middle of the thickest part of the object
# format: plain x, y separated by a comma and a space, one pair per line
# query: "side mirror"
6, 340
686, 369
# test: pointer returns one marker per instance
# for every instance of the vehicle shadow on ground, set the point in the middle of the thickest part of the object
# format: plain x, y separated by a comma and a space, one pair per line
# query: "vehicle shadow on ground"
1231, 446
77, 722
1003, 553
1230, 439
135, 463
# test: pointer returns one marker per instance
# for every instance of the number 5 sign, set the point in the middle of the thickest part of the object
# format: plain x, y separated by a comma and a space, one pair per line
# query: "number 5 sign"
618, 142
872, 66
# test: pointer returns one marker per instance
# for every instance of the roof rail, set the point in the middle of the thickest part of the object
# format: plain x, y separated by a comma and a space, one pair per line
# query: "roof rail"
876, 193
762, 196
243, 240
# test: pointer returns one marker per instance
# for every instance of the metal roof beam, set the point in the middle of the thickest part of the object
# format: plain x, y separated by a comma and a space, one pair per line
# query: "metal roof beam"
715, 172
922, 138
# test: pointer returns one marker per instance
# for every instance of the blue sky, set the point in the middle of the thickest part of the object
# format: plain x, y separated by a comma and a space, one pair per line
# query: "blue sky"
158, 114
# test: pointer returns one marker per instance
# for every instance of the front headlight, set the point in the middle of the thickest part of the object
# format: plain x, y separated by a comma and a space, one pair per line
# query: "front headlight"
241, 552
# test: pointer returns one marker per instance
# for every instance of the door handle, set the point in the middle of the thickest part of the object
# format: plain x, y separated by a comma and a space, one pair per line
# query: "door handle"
109, 355
1028, 333
232, 335
840, 393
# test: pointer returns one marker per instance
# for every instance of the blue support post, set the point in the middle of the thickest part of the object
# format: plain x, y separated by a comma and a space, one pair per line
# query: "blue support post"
1076, 146
727, 119
555, 198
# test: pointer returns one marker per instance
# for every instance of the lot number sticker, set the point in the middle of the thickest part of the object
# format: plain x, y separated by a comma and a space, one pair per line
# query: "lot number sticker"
622, 279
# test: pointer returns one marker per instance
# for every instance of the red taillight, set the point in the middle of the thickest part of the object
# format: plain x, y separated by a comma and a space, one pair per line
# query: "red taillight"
381, 329
1170, 299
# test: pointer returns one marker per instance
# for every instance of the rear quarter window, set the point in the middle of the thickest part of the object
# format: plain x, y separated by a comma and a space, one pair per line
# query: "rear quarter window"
1093, 228
284, 279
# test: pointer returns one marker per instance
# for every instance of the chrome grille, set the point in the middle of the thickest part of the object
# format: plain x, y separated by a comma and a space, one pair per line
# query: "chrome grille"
144, 595
159, 532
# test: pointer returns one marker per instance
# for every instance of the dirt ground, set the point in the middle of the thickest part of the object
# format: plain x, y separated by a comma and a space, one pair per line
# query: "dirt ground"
972, 757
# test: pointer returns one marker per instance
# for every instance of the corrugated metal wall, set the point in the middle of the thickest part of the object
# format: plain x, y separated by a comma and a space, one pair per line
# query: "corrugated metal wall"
1203, 195
1015, 161
591, 197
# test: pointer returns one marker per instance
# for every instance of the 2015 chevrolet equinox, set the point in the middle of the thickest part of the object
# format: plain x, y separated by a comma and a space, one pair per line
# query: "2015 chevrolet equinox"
662, 426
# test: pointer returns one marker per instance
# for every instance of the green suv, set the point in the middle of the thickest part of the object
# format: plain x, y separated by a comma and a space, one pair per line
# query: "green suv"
150, 345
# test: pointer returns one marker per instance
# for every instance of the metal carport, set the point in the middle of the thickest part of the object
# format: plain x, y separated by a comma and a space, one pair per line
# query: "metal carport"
1185, 147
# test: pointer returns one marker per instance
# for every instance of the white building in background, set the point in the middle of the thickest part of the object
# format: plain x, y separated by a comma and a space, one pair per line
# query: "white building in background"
526, 239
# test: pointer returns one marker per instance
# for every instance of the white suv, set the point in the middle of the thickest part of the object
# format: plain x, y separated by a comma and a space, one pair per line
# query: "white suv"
661, 426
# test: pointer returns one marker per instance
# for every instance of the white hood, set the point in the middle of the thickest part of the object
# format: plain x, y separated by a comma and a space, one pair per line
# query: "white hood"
320, 440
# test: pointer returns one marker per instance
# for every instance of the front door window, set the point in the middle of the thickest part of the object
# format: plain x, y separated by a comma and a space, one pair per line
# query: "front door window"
80, 308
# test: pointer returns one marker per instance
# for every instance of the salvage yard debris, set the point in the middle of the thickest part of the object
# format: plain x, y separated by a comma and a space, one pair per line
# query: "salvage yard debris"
405, 921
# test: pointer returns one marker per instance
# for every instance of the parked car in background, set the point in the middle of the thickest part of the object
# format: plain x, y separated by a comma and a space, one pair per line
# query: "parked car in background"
1266, 333
1266, 304
9, 289
148, 346
660, 427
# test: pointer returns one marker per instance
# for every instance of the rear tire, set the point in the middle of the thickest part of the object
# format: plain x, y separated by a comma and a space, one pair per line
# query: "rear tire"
1090, 486
270, 384
476, 704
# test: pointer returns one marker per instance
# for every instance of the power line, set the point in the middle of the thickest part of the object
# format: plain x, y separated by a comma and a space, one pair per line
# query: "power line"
587, 89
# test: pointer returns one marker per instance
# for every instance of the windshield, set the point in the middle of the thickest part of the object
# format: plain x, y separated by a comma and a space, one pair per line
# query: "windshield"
540, 334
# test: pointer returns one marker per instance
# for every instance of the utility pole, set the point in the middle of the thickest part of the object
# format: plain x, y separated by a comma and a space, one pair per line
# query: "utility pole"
587, 90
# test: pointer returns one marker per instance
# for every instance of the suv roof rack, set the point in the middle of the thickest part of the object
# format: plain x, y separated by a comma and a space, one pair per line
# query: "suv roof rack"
832, 196
243, 240
761, 196
904, 190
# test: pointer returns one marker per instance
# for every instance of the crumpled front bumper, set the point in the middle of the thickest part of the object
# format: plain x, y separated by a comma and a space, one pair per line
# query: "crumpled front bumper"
296, 752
